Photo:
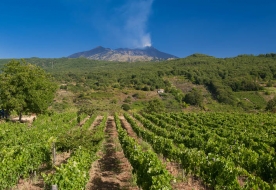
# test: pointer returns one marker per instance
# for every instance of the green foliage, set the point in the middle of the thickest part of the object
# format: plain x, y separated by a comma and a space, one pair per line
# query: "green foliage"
25, 88
243, 84
24, 149
139, 95
125, 107
194, 97
221, 76
75, 173
250, 100
113, 101
217, 147
63, 87
138, 105
267, 92
101, 95
269, 83
271, 105
86, 110
178, 94
222, 93
127, 99
155, 105
151, 173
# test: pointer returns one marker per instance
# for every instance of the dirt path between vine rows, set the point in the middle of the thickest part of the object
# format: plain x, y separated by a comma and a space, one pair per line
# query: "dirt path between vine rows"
96, 122
112, 171
190, 182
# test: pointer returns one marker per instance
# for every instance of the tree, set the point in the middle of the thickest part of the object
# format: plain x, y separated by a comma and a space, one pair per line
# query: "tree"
125, 107
25, 88
194, 97
155, 106
271, 105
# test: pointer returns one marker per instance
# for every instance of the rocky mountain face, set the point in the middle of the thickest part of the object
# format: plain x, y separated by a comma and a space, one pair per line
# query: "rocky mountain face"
124, 54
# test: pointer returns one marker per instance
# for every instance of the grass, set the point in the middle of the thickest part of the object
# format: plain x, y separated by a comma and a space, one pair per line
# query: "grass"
271, 89
101, 95
217, 107
137, 105
251, 99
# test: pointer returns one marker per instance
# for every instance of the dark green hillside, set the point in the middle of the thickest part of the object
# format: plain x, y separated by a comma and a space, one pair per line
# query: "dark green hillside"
245, 82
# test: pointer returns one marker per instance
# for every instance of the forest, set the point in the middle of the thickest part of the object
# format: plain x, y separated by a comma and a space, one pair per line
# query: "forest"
202, 82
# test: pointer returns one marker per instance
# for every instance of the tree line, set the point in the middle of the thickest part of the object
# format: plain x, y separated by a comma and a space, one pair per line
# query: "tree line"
222, 77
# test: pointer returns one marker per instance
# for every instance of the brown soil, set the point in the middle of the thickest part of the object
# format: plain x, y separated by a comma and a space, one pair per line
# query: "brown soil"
30, 184
242, 180
182, 181
25, 118
61, 158
112, 171
83, 121
79, 124
127, 127
96, 122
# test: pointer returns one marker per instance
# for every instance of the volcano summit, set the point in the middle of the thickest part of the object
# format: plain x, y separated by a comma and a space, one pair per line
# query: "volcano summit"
148, 53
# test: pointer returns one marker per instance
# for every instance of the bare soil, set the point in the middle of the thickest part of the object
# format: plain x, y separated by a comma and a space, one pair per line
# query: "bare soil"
112, 171
181, 180
25, 118
96, 122
84, 120
128, 128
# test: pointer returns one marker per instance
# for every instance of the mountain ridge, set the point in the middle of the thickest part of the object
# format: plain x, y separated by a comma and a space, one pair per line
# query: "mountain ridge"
148, 53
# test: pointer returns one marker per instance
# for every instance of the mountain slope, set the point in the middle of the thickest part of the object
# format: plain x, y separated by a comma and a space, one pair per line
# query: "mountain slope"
124, 54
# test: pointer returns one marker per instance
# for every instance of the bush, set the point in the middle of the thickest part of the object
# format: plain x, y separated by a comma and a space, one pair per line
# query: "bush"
63, 87
125, 107
222, 93
128, 99
113, 101
155, 106
146, 88
139, 95
269, 83
267, 92
271, 105
194, 98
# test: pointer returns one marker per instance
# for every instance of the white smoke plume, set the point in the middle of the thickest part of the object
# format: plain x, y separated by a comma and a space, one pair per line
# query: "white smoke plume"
127, 24
136, 14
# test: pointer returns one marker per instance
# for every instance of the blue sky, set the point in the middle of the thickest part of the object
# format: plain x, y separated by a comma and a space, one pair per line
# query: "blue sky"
58, 28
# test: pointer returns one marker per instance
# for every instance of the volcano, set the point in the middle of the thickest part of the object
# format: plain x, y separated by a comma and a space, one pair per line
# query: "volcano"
148, 53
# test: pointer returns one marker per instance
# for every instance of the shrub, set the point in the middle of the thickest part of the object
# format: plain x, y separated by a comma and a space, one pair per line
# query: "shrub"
194, 98
271, 105
125, 107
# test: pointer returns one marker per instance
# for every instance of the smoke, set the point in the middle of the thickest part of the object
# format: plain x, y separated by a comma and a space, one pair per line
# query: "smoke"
127, 24
136, 14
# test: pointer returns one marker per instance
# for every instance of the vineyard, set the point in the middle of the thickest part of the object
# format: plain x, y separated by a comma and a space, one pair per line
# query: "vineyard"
140, 151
